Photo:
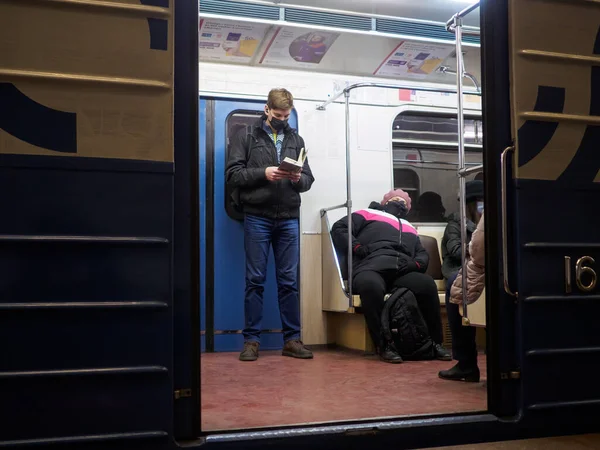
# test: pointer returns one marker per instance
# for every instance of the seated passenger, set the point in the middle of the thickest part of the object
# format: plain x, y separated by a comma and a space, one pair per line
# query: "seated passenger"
464, 347
475, 269
388, 252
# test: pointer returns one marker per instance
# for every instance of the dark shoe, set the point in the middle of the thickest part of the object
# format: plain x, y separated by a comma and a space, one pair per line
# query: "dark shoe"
250, 352
470, 375
296, 349
441, 353
390, 355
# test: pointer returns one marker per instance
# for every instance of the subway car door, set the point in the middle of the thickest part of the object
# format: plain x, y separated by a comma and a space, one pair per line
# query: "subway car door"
551, 218
86, 235
225, 268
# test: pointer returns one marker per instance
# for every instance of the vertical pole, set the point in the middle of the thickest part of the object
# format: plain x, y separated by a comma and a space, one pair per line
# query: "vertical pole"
349, 197
460, 73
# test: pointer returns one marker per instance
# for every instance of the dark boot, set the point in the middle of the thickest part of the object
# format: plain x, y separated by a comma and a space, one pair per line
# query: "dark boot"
457, 373
296, 349
441, 353
250, 352
390, 355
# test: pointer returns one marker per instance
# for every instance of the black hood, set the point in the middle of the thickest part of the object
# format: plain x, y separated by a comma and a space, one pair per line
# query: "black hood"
376, 205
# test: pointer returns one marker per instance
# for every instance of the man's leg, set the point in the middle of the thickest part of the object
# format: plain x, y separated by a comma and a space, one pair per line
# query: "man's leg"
371, 287
426, 293
257, 241
286, 248
464, 346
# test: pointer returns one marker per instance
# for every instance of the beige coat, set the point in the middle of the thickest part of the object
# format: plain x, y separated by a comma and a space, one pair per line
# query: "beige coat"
475, 269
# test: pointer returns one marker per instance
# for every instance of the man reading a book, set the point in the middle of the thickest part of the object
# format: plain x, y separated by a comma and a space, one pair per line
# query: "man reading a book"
268, 170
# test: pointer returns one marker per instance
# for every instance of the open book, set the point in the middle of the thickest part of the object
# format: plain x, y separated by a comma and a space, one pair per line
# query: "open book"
291, 165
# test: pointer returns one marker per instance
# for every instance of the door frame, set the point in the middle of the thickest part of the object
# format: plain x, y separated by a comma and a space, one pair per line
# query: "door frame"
186, 245
503, 420
212, 107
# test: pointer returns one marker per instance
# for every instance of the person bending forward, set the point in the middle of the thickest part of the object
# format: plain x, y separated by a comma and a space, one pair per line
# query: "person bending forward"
387, 252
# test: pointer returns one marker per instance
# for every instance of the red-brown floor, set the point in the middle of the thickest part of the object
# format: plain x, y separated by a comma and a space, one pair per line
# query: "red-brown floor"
334, 386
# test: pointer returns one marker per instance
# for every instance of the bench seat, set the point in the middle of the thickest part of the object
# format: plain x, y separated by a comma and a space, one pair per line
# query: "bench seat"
442, 296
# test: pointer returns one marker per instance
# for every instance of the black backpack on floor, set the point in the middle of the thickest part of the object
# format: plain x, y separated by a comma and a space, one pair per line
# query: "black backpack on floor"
403, 325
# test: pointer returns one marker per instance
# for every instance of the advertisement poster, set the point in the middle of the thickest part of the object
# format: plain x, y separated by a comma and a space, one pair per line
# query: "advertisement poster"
414, 60
297, 47
437, 98
228, 41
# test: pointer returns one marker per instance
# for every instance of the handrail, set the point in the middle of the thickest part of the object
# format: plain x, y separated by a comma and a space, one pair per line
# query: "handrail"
466, 172
335, 255
505, 282
331, 208
452, 22
461, 163
447, 70
348, 196
322, 106
348, 205
455, 26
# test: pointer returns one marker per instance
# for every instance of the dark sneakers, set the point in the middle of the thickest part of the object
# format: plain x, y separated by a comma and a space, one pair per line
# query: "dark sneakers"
390, 355
456, 373
441, 353
250, 352
296, 349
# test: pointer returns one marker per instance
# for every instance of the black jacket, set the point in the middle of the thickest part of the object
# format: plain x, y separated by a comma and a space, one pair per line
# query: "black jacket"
451, 245
388, 243
251, 151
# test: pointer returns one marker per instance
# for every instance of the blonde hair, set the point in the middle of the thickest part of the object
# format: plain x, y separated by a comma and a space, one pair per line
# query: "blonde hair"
280, 98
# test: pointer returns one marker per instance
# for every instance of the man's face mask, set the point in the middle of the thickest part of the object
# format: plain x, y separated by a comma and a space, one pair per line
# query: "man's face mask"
396, 208
276, 123
480, 207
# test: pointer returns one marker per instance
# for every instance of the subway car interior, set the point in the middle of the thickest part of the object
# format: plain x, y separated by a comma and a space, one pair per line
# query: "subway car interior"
375, 99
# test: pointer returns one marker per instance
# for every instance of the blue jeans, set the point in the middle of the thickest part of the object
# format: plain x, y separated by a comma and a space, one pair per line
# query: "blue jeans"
284, 234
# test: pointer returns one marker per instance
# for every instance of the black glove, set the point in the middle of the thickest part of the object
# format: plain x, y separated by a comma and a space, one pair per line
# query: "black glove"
361, 251
406, 265
412, 266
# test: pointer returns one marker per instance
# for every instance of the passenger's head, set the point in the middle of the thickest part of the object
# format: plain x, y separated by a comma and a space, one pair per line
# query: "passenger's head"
430, 207
278, 108
474, 199
396, 202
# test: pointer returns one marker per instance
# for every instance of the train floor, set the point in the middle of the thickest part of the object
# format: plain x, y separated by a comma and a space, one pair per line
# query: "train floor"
336, 385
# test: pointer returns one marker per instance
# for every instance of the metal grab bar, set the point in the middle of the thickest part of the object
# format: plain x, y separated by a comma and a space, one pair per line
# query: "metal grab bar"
461, 162
348, 204
455, 26
331, 208
449, 71
349, 197
322, 106
504, 224
466, 172
452, 23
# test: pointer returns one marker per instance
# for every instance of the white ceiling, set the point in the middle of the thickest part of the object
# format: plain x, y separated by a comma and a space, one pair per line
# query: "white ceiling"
436, 10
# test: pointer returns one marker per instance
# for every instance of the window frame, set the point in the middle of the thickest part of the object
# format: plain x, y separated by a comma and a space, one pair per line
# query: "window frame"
232, 214
419, 145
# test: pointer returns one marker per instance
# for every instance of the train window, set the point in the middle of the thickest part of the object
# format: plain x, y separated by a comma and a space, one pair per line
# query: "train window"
425, 147
238, 120
407, 180
415, 126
